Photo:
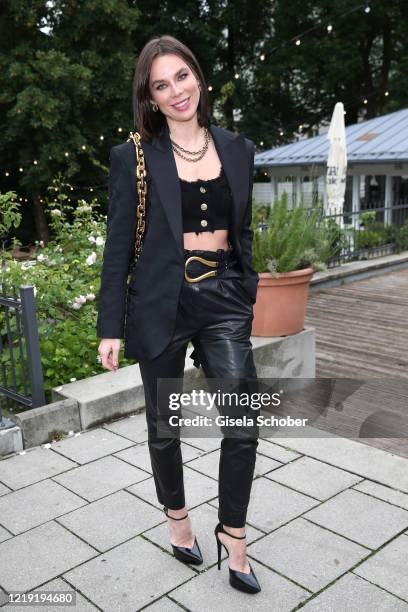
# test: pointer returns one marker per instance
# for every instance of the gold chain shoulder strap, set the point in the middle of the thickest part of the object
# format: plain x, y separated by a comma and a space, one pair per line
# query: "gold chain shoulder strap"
141, 192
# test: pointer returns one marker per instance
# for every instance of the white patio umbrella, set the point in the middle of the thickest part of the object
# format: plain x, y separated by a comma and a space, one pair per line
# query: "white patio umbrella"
336, 164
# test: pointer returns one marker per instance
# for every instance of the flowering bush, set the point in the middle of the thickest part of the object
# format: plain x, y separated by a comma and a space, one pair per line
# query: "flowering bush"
66, 275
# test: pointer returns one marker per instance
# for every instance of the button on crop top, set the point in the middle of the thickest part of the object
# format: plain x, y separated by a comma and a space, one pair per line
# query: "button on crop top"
206, 205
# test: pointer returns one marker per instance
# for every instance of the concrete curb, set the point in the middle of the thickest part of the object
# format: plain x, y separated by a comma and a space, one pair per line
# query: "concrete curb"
91, 402
358, 270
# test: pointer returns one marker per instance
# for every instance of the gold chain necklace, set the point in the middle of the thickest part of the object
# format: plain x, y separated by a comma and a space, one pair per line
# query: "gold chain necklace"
200, 153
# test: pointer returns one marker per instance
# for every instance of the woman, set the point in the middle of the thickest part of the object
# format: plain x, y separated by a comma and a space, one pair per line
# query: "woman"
199, 205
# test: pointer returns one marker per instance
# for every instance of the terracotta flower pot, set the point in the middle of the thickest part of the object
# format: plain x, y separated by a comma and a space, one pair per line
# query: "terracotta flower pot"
281, 301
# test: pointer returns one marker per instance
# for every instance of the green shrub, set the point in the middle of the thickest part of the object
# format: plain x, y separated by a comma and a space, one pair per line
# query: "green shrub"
66, 277
293, 239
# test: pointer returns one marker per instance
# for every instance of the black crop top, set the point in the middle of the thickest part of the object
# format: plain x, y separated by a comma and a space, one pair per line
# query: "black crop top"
206, 205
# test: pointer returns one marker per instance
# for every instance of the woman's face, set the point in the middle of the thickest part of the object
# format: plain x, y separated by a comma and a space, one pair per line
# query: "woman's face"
172, 81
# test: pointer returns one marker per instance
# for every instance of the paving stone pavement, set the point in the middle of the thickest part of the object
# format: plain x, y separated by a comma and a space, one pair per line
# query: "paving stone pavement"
327, 526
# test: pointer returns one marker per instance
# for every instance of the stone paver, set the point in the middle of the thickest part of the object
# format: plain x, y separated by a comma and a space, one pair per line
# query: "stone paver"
352, 594
364, 519
36, 504
33, 466
308, 554
313, 478
4, 489
129, 576
211, 591
83, 516
81, 604
101, 477
271, 504
133, 427
43, 553
164, 605
361, 459
90, 445
388, 568
112, 520
4, 534
385, 493
279, 453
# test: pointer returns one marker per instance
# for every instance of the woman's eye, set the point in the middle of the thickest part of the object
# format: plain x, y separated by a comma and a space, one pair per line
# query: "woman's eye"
181, 75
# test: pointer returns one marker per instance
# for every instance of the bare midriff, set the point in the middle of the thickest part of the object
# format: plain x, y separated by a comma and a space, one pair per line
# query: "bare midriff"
206, 241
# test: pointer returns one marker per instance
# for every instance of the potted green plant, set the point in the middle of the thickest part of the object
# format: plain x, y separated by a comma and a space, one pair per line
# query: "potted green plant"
287, 250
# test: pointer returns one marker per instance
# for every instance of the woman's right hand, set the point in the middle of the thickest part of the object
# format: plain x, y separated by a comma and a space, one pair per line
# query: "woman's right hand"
109, 351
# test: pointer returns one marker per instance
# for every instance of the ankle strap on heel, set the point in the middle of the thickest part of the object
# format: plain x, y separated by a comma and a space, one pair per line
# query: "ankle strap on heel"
166, 512
222, 530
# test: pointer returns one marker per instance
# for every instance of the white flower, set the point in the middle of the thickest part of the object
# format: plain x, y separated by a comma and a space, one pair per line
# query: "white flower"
81, 299
99, 241
76, 306
42, 243
91, 238
56, 212
90, 296
90, 260
41, 257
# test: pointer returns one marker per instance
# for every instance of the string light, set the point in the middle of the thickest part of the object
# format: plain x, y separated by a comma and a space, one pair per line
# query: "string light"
210, 88
101, 137
7, 173
262, 57
83, 147
329, 28
20, 169
35, 162
236, 75
66, 154
386, 93
298, 42
365, 101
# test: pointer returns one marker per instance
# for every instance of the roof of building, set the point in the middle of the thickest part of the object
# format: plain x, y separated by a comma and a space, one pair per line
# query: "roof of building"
382, 139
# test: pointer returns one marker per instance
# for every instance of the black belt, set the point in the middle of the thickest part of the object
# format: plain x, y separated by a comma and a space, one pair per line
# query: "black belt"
224, 260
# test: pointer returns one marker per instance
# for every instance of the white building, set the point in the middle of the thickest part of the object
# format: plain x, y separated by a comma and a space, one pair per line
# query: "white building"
377, 173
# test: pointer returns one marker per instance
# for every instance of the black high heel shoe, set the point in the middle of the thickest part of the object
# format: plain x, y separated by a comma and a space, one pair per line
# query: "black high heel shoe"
239, 580
182, 553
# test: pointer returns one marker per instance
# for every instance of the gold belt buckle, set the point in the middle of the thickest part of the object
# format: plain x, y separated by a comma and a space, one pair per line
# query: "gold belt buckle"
208, 262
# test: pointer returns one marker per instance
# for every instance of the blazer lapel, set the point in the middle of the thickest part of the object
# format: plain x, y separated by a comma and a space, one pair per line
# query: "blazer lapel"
162, 167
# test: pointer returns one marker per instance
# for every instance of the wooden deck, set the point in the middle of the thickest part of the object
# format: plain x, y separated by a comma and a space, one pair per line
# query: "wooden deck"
361, 333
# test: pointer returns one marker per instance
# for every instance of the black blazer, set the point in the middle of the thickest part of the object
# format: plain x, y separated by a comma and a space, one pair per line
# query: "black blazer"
143, 310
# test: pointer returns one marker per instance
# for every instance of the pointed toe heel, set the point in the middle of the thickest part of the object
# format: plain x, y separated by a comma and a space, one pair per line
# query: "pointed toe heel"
182, 553
239, 580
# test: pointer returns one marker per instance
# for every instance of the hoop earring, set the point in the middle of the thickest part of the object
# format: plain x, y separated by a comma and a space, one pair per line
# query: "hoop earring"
155, 108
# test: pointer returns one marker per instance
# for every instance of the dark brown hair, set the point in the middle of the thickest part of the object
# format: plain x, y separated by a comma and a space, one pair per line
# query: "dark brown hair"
147, 122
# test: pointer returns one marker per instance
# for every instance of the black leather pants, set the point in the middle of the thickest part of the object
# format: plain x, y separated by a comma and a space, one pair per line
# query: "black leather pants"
216, 315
